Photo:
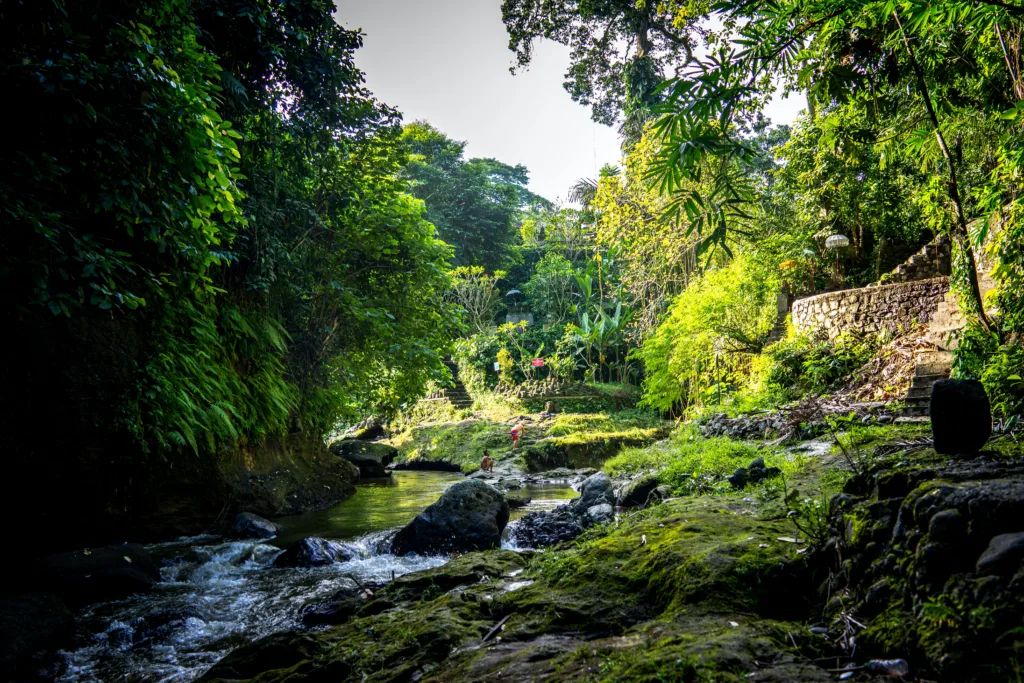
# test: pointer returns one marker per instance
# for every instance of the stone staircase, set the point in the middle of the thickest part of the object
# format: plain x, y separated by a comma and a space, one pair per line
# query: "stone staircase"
931, 367
932, 260
457, 395
934, 365
948, 319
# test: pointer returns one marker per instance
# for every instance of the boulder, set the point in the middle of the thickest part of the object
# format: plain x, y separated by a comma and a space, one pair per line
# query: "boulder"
754, 473
541, 529
32, 627
469, 516
247, 526
371, 458
600, 514
516, 502
1003, 555
336, 609
636, 492
315, 552
95, 574
371, 432
595, 490
961, 416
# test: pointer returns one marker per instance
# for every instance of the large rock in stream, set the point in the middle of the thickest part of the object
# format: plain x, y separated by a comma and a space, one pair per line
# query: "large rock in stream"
595, 505
469, 516
371, 458
248, 526
316, 552
94, 574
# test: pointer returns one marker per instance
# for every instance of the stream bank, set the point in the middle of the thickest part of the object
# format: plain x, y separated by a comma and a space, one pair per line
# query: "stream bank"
216, 595
784, 581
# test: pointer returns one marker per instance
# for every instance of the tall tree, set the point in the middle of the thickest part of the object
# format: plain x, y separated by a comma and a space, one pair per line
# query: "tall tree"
475, 204
620, 49
932, 79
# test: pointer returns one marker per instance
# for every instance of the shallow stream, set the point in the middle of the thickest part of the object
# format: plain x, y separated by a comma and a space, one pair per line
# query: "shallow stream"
217, 595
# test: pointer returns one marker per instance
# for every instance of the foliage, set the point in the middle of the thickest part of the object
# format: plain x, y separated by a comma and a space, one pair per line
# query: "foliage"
478, 295
692, 464
702, 346
256, 276
121, 183
474, 204
551, 289
656, 261
831, 182
931, 80
804, 364
1000, 367
619, 48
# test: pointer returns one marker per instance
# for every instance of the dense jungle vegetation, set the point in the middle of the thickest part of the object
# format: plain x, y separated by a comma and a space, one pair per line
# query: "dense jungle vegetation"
237, 284
215, 234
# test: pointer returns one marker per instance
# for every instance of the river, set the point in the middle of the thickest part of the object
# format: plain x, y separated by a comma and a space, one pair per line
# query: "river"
217, 595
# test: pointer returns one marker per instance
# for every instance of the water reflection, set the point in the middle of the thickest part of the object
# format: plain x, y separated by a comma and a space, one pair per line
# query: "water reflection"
376, 505
542, 497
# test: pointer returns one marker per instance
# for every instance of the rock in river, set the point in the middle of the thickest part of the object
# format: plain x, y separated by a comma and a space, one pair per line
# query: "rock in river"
315, 552
95, 574
636, 492
961, 416
595, 490
371, 458
469, 516
247, 526
566, 522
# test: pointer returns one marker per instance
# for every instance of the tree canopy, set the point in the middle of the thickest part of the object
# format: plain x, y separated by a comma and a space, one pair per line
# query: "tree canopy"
620, 49
475, 204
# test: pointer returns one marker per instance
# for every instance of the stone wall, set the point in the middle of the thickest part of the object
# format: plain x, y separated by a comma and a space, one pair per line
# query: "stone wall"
870, 309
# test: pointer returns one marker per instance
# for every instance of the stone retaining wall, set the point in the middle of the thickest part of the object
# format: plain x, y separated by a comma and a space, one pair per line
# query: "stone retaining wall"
871, 309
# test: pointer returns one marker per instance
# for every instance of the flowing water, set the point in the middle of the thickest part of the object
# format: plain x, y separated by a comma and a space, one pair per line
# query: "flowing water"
217, 595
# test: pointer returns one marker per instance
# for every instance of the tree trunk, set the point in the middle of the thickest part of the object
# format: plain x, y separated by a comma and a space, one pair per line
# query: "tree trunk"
961, 234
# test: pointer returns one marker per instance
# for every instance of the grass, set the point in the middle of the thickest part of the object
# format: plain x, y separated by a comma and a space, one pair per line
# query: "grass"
688, 458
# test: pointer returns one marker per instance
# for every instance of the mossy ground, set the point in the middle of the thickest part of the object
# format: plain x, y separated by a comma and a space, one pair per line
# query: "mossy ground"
568, 439
697, 589
717, 585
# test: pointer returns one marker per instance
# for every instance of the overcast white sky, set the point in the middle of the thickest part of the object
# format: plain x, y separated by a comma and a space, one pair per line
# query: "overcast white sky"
447, 61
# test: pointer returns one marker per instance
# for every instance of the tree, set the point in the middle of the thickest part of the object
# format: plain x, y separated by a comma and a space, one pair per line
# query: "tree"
924, 74
721, 317
551, 288
620, 49
248, 277
478, 295
474, 204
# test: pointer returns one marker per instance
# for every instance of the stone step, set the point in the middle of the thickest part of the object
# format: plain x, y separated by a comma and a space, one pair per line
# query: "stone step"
916, 411
912, 419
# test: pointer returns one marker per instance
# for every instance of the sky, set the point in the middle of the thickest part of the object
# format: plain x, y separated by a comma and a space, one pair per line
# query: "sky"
447, 62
